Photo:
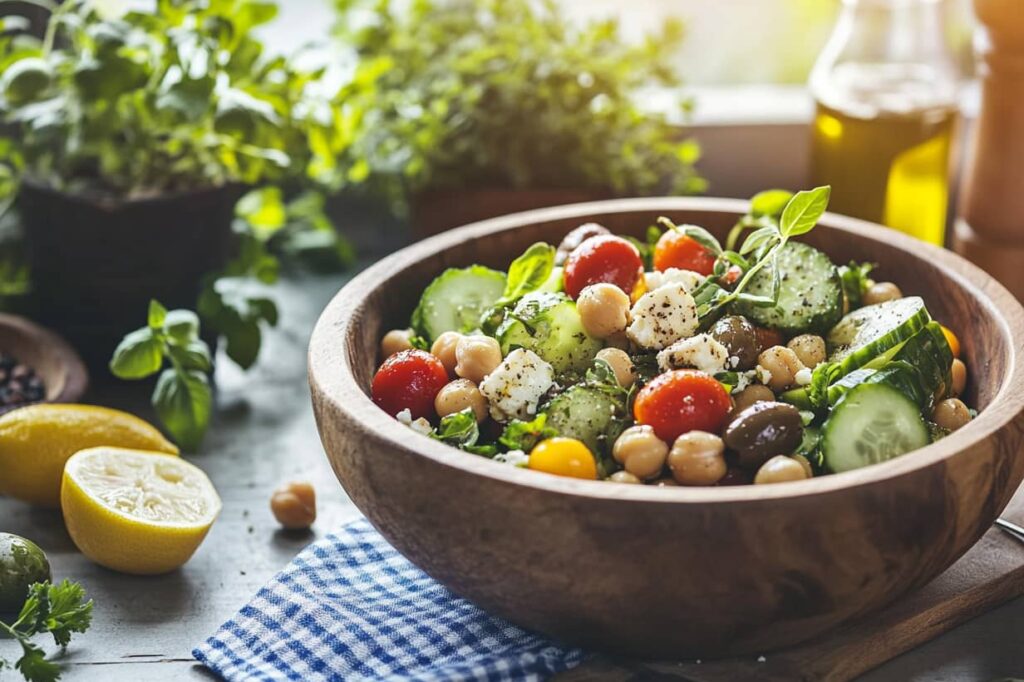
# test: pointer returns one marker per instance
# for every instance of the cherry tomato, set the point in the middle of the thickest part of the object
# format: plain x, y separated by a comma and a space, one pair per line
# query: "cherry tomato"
732, 275
676, 250
563, 457
681, 401
409, 380
604, 258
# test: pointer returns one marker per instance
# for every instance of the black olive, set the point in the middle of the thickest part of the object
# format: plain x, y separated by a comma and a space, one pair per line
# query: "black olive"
762, 431
577, 237
739, 337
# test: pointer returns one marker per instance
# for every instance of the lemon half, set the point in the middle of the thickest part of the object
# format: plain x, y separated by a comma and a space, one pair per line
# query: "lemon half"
135, 511
36, 441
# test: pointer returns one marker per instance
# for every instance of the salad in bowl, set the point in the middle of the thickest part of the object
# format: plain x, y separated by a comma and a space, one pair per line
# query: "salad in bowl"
678, 360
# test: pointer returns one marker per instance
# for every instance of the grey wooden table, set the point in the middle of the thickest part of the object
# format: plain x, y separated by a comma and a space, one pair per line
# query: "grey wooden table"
264, 434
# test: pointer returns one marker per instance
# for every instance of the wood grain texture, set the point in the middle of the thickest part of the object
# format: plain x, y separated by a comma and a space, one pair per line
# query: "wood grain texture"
991, 573
673, 572
54, 360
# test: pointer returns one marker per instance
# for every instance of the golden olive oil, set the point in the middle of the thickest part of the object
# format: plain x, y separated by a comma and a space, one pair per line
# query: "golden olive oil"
891, 168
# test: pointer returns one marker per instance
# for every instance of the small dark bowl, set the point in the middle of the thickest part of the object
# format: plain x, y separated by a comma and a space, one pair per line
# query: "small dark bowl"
56, 362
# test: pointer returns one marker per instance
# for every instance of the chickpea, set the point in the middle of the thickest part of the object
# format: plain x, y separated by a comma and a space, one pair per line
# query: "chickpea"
880, 292
780, 365
603, 309
780, 469
620, 364
640, 452
755, 393
806, 464
697, 458
294, 505
959, 377
477, 356
809, 348
457, 396
395, 341
619, 340
444, 350
951, 414
624, 477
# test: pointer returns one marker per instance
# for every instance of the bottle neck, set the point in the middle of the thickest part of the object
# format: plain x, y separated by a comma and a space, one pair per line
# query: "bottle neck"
887, 56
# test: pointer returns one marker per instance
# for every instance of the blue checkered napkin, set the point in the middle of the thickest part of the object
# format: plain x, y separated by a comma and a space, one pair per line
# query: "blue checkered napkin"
350, 607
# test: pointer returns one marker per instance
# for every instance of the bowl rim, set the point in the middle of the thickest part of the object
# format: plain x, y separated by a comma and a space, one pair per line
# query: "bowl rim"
333, 381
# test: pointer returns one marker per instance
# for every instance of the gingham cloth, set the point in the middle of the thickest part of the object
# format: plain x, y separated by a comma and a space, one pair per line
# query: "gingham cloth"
350, 607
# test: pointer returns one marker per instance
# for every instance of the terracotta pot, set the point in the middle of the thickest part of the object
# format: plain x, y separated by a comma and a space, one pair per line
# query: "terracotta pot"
95, 265
435, 211
673, 572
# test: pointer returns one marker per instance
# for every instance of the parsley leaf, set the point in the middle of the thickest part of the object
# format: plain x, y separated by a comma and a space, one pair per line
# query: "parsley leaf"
60, 610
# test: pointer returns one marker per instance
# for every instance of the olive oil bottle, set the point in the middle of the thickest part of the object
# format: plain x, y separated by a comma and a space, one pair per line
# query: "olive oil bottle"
886, 118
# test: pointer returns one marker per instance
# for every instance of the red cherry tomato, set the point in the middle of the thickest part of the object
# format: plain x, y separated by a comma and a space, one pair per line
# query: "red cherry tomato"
681, 401
602, 259
409, 380
676, 250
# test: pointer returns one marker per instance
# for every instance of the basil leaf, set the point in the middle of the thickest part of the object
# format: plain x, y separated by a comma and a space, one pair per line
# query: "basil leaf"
183, 401
157, 315
736, 259
758, 238
243, 340
803, 211
856, 281
770, 202
181, 326
529, 272
702, 237
459, 429
524, 435
139, 355
193, 355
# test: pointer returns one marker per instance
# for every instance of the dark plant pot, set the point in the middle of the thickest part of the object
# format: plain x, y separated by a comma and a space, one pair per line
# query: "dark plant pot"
434, 211
96, 264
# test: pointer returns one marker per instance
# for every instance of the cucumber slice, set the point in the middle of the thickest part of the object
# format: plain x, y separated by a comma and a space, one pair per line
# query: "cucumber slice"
874, 422
550, 326
868, 332
456, 299
589, 415
810, 293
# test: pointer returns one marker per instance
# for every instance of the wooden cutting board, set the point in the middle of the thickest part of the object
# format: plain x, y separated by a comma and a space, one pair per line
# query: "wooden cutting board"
991, 573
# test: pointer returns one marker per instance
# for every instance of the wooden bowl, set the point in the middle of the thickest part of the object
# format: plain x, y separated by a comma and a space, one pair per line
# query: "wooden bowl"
57, 363
673, 572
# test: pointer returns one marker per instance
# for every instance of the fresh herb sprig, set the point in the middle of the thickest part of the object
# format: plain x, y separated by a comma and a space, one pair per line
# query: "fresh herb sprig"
60, 610
182, 397
776, 216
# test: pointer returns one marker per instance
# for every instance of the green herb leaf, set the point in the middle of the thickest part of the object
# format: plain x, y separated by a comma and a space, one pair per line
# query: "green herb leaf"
459, 429
856, 278
759, 239
702, 237
139, 355
58, 609
529, 272
524, 435
803, 211
770, 202
193, 355
157, 315
183, 401
181, 326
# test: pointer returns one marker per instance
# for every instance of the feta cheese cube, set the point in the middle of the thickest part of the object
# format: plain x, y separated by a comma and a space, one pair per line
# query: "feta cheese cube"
688, 278
662, 317
701, 352
517, 384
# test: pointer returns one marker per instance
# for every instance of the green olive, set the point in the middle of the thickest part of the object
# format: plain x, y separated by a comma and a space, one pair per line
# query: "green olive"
22, 563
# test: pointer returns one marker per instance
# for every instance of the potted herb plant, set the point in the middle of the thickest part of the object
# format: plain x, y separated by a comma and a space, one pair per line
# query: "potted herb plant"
135, 136
466, 109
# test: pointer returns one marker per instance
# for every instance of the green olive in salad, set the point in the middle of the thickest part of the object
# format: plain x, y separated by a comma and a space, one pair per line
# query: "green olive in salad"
679, 360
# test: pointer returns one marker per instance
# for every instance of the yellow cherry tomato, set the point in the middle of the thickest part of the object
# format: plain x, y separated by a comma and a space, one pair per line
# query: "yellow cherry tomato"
639, 290
563, 457
954, 343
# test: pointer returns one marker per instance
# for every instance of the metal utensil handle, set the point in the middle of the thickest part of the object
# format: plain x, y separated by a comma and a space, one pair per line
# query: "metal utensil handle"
1011, 528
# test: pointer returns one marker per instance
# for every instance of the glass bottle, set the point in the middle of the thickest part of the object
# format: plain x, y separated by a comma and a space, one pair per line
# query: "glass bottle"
885, 90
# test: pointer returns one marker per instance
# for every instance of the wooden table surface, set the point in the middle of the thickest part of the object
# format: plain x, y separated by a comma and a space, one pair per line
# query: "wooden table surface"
264, 434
